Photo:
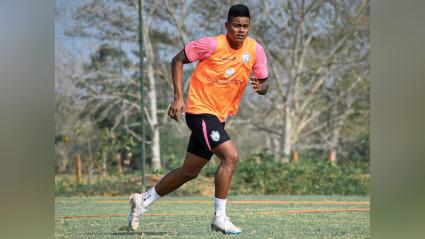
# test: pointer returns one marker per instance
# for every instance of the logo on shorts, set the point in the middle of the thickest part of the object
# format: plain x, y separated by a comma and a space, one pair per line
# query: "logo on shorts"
245, 57
215, 136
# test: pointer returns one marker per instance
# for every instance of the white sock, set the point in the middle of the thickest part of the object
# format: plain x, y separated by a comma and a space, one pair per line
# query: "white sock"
150, 196
220, 207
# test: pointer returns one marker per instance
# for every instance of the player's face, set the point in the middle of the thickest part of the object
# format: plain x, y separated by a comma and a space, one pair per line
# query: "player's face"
237, 29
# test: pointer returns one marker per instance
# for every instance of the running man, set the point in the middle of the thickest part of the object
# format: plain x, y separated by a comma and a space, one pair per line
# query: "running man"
225, 63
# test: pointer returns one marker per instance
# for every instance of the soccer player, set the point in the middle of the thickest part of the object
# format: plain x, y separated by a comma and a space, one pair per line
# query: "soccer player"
225, 64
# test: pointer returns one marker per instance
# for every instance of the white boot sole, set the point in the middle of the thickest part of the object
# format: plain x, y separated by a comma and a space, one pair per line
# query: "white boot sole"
217, 229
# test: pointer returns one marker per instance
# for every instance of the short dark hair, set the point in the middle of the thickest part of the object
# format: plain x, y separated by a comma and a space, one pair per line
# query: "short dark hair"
238, 10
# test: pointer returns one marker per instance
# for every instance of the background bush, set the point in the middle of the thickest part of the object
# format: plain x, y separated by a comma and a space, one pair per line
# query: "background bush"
260, 174
256, 174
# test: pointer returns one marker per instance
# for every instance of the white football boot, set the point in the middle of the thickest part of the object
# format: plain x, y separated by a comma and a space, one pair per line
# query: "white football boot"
136, 211
224, 225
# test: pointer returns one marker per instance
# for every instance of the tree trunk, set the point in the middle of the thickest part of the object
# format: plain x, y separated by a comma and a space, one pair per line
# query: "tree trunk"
153, 108
104, 163
118, 160
155, 146
332, 145
78, 172
90, 170
63, 163
90, 164
276, 148
294, 156
334, 138
332, 156
287, 143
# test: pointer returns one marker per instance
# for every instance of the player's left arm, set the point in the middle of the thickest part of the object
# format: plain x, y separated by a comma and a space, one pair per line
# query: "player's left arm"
259, 81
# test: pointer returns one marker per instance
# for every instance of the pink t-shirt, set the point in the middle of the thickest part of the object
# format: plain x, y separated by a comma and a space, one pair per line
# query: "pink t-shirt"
203, 48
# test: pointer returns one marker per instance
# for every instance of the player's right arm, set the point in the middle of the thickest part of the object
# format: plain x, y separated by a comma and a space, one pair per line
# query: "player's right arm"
193, 51
177, 106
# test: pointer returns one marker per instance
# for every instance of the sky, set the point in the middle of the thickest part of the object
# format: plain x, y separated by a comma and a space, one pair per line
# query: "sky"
80, 48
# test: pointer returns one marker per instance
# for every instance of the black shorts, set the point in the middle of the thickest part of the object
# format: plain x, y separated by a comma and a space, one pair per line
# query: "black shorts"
207, 133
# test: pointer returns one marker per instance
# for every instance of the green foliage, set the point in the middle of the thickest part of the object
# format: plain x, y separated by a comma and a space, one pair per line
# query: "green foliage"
259, 174
119, 186
109, 186
105, 148
358, 149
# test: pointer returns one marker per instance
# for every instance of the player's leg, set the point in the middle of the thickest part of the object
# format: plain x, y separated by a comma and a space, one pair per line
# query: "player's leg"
196, 158
228, 155
189, 170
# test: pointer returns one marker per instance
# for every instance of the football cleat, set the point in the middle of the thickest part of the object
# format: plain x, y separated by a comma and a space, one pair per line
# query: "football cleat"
136, 211
224, 225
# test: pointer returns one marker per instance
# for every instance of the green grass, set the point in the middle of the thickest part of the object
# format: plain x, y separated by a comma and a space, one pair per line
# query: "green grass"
192, 219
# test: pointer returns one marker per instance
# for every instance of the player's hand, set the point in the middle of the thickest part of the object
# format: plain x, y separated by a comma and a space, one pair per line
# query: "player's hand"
259, 86
176, 109
255, 83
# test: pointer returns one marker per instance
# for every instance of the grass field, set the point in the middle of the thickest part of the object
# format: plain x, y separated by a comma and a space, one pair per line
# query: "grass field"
189, 217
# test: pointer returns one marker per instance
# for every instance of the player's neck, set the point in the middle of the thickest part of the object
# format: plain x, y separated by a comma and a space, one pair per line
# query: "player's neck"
234, 45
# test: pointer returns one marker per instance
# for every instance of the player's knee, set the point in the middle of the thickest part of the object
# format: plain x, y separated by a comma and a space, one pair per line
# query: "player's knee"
232, 159
235, 157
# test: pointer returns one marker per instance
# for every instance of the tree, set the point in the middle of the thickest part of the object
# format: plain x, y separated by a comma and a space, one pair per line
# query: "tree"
319, 44
117, 21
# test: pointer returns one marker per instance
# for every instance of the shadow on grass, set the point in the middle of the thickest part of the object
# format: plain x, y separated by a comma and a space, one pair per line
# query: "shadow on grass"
131, 233
144, 233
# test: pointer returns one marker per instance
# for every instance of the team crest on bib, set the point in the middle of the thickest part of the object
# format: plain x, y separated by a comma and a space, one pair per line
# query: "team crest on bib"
245, 57
215, 136
230, 71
